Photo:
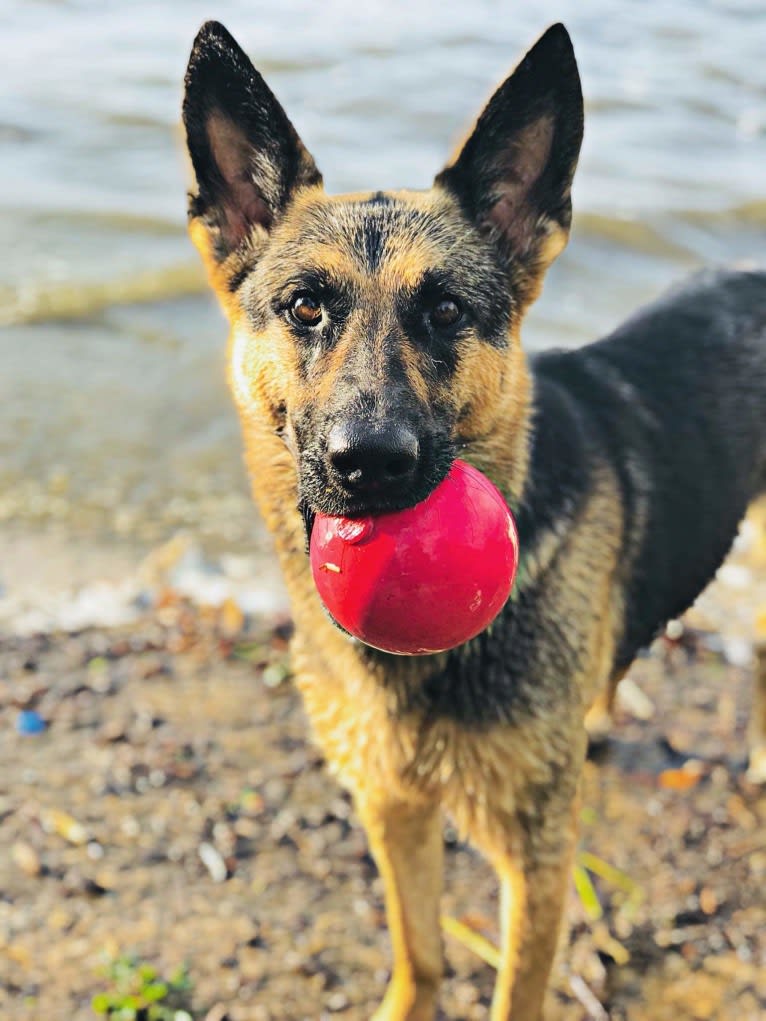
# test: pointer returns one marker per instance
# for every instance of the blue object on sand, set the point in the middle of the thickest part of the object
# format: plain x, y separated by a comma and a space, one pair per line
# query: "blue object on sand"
30, 722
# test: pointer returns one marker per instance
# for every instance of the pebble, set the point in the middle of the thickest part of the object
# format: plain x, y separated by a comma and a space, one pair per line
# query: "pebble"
29, 723
95, 851
130, 826
738, 651
54, 820
26, 858
274, 675
217, 1013
734, 576
337, 1001
232, 619
213, 861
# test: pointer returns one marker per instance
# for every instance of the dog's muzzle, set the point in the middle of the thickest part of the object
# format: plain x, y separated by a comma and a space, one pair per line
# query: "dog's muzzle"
363, 459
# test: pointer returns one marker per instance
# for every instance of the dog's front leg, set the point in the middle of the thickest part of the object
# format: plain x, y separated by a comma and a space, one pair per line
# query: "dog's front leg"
532, 895
407, 844
531, 847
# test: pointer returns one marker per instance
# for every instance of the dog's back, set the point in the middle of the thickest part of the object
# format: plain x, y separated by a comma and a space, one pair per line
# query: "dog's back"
675, 401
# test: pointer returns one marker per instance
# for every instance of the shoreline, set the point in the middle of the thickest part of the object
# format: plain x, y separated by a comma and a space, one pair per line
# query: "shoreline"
52, 581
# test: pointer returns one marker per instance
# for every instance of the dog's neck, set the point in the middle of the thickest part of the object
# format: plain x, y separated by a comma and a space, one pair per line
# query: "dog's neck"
503, 451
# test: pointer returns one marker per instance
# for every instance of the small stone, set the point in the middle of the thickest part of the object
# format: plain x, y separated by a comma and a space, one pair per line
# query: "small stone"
674, 630
54, 820
30, 723
217, 1013
274, 675
130, 826
112, 731
76, 884
337, 1001
26, 858
231, 618
60, 920
98, 674
213, 861
708, 900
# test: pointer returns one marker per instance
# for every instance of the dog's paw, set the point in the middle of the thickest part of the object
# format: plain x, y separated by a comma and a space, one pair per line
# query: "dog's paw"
598, 725
403, 1003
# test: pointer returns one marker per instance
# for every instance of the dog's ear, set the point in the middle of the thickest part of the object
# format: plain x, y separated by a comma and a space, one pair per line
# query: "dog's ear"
247, 157
513, 176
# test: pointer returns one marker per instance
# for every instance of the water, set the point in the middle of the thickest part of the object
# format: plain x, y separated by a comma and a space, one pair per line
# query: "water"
114, 421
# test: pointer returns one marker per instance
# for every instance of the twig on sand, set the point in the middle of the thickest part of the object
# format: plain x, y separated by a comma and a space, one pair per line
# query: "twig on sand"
587, 998
472, 940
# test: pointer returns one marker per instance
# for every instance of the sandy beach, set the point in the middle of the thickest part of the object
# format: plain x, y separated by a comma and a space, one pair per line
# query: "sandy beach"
174, 810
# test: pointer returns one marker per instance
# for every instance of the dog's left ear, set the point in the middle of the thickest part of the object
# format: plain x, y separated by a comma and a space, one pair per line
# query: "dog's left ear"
513, 176
247, 157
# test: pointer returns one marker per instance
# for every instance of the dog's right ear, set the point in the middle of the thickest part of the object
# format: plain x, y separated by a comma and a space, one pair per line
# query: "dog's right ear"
247, 157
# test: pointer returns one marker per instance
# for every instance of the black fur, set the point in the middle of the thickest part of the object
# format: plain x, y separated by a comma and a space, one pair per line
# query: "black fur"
686, 381
674, 401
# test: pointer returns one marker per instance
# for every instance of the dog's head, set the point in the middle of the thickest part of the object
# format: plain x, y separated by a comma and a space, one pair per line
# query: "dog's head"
378, 333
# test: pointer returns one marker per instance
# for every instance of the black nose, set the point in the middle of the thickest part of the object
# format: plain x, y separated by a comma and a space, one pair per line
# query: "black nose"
365, 456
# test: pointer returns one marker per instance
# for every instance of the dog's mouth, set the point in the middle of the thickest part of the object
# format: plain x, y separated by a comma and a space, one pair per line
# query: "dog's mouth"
331, 488
367, 509
374, 504
308, 516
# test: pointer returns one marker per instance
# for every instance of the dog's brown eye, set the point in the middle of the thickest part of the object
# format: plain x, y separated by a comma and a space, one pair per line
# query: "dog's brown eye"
445, 312
306, 311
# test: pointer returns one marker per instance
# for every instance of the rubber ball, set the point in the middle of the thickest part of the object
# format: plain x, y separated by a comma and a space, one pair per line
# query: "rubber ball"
421, 580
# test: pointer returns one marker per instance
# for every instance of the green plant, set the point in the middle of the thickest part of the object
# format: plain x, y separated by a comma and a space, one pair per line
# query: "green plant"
138, 993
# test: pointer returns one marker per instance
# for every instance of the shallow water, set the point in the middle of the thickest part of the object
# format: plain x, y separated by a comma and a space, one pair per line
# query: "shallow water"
114, 419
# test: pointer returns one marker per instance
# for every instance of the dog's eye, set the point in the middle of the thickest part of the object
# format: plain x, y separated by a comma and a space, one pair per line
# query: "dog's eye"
445, 313
306, 310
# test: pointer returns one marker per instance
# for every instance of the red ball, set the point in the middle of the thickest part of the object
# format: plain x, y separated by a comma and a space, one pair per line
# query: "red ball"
424, 579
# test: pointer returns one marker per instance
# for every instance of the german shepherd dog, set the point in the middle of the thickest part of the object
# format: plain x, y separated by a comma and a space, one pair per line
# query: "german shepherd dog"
374, 338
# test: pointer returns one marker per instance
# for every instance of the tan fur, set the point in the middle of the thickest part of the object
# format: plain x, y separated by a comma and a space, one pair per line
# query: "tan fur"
497, 388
